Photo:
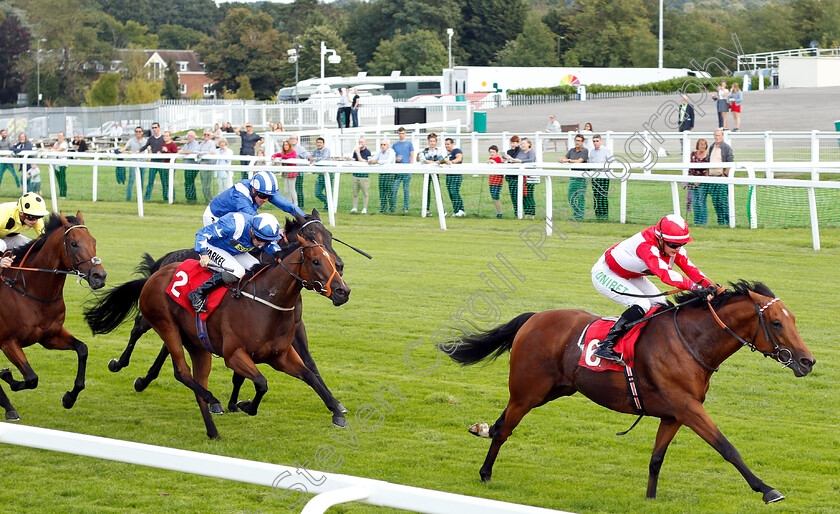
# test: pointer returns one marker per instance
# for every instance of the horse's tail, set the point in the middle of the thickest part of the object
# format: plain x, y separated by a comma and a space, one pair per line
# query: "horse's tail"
472, 348
148, 266
114, 306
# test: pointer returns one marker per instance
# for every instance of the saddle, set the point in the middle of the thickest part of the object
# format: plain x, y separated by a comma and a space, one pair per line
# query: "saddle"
626, 346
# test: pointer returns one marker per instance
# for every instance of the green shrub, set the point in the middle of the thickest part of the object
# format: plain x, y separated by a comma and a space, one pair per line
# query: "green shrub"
675, 85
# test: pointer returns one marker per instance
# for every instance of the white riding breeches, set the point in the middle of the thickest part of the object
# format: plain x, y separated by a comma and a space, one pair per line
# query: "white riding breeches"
609, 284
222, 260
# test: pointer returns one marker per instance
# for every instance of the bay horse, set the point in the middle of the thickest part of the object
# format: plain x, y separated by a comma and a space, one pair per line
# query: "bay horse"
149, 266
243, 331
33, 303
675, 358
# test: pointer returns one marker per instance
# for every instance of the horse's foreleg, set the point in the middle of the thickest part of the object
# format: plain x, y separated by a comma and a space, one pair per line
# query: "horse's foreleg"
301, 346
65, 341
668, 428
15, 354
201, 361
141, 383
241, 363
696, 418
237, 381
11, 413
291, 363
141, 326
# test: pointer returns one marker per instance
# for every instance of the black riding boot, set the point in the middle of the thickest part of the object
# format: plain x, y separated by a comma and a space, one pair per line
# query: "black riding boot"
605, 348
199, 296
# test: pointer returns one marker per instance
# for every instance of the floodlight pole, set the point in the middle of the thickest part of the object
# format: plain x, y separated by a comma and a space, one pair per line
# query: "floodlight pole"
38, 61
324, 51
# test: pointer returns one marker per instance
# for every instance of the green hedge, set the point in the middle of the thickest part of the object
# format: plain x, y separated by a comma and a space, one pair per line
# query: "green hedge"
664, 86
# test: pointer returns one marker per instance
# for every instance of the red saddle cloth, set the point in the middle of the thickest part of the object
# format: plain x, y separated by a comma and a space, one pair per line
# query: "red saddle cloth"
187, 277
626, 346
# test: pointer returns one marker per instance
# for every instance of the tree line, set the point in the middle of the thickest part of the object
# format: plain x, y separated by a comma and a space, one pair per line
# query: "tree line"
244, 46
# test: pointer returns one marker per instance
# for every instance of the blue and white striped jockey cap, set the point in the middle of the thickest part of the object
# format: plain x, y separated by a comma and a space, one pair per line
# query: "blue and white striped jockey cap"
265, 183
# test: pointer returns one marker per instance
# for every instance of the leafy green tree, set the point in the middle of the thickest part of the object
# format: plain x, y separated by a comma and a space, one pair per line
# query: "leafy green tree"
176, 37
171, 85
139, 91
309, 62
417, 53
248, 45
105, 91
244, 92
487, 25
14, 40
200, 15
614, 33
367, 24
138, 35
533, 47
766, 28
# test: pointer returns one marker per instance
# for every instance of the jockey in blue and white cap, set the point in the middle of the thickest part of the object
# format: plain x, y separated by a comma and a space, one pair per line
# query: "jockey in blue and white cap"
248, 195
224, 248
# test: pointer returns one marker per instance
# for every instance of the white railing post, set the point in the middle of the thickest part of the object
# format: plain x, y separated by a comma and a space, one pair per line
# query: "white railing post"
330, 203
686, 150
171, 172
138, 177
768, 153
53, 190
424, 196
439, 201
474, 147
95, 186
538, 146
753, 200
815, 224
675, 197
520, 183
622, 216
549, 207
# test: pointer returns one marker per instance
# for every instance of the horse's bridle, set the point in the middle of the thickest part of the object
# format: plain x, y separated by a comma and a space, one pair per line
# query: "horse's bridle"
762, 324
74, 265
318, 287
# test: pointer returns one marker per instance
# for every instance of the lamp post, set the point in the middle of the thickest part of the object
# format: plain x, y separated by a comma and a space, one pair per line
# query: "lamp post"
294, 56
38, 65
559, 39
332, 59
450, 33
660, 31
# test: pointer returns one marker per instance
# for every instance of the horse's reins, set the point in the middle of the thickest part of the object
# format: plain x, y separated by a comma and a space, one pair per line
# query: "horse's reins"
316, 286
776, 355
73, 264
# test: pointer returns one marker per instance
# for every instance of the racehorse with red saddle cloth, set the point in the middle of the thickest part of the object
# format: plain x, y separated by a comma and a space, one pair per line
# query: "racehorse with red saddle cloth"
674, 359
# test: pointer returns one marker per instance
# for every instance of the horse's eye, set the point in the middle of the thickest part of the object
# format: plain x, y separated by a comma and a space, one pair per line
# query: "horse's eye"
74, 244
776, 323
316, 262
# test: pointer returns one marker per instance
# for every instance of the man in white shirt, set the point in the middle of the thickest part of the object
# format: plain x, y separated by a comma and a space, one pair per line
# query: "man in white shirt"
553, 124
600, 182
207, 147
116, 132
385, 155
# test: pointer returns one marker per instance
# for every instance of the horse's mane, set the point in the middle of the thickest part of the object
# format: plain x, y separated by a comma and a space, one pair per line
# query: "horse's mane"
256, 268
52, 224
294, 224
735, 289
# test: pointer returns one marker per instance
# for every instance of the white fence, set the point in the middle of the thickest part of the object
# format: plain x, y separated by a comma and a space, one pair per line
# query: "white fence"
743, 173
334, 489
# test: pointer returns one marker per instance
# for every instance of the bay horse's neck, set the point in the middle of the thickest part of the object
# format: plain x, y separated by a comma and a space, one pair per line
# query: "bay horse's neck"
280, 287
717, 345
49, 257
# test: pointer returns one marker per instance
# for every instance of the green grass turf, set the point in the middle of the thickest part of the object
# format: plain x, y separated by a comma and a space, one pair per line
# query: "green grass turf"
563, 455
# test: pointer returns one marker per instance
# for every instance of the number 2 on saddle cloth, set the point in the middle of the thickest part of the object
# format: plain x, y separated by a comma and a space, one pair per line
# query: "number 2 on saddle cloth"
187, 277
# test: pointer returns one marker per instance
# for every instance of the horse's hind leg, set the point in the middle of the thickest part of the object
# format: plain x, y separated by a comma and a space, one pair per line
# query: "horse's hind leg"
65, 341
141, 383
201, 367
141, 326
11, 413
668, 428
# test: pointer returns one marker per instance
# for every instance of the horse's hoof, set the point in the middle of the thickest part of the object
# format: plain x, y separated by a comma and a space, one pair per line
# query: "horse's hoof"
6, 374
772, 496
485, 477
68, 400
339, 421
12, 415
247, 407
216, 408
342, 408
114, 365
232, 407
139, 384
480, 430
217, 437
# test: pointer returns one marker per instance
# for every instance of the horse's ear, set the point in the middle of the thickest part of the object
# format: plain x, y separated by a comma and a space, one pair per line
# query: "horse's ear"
64, 221
81, 218
315, 214
759, 299
300, 219
301, 240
